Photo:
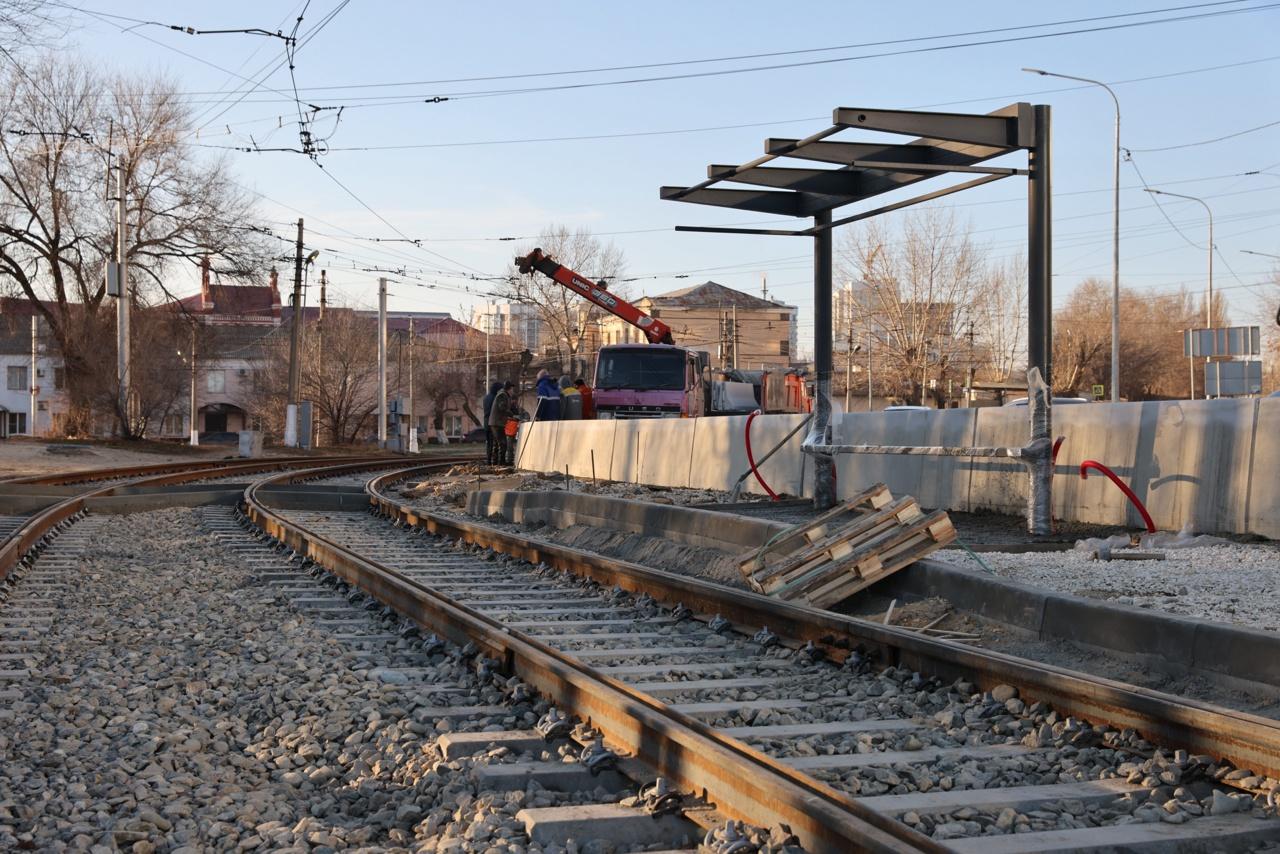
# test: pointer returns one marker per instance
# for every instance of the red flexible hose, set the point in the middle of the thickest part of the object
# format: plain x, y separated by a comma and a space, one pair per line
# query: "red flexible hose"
752, 460
1097, 466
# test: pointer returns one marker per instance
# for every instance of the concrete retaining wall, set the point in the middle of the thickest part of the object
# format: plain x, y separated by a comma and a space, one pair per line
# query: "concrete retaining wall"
1207, 464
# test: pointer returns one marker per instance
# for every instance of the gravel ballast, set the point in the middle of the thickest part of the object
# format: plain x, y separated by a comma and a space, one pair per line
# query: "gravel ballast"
180, 704
1224, 583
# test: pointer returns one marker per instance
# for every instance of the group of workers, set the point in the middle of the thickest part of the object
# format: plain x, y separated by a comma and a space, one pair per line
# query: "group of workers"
563, 400
566, 400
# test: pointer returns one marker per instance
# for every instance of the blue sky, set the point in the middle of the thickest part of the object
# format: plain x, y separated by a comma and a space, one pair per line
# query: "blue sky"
459, 196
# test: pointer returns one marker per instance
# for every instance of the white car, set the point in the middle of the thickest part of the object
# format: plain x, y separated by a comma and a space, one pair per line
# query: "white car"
1274, 394
908, 409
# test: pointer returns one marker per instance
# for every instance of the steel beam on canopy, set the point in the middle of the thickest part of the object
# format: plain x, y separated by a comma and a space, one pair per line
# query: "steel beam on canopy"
1009, 127
946, 142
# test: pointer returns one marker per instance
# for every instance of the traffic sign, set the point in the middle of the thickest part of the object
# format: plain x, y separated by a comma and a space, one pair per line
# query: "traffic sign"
1099, 391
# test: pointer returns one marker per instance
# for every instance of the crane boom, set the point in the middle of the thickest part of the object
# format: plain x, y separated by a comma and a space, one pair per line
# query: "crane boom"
655, 330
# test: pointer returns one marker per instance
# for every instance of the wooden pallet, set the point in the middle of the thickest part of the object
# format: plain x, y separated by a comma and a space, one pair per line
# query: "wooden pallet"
865, 539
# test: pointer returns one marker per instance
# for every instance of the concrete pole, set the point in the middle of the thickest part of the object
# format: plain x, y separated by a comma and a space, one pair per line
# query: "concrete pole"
122, 302
410, 431
295, 348
735, 337
382, 363
823, 465
488, 326
195, 423
868, 370
31, 386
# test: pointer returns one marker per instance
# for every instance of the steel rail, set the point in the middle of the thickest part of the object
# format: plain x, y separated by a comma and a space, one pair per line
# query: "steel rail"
743, 783
42, 522
1245, 740
89, 475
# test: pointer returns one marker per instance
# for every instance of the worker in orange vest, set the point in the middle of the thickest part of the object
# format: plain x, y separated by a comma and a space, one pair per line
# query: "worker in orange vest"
588, 405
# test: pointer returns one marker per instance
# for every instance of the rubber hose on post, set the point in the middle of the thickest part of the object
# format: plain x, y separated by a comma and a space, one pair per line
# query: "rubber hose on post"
1129, 493
751, 459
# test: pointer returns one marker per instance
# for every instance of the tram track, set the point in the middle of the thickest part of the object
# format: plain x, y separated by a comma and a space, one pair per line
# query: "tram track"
843, 768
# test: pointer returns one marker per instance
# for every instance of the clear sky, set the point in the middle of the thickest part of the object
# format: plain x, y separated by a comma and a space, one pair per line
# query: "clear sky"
482, 169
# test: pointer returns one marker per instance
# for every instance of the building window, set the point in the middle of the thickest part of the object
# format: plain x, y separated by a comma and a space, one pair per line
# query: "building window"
42, 406
18, 380
17, 422
784, 316
173, 424
59, 378
215, 382
784, 347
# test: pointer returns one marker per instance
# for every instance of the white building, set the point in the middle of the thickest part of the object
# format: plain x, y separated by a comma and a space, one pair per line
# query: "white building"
517, 319
16, 392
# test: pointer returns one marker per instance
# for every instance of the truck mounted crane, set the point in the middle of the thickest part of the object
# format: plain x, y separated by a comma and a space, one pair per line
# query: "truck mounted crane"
655, 330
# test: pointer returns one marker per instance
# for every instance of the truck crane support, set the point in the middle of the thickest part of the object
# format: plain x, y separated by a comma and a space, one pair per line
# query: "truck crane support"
655, 330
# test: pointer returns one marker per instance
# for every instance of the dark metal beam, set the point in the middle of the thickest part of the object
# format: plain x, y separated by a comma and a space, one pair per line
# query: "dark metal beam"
718, 229
845, 153
824, 490
915, 200
762, 201
1005, 128
829, 182
1039, 251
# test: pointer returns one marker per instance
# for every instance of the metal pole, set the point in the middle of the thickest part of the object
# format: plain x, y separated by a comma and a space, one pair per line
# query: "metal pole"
823, 464
382, 363
848, 368
1040, 250
195, 430
31, 386
1115, 234
488, 326
1209, 308
122, 303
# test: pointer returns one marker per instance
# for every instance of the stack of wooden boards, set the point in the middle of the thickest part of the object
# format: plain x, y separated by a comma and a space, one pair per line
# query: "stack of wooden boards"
854, 544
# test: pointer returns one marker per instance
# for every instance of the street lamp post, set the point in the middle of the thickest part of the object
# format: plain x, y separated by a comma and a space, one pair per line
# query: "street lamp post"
1115, 233
1208, 308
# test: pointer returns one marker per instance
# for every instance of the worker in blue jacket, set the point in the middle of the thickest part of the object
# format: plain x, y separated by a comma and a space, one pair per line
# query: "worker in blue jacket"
548, 399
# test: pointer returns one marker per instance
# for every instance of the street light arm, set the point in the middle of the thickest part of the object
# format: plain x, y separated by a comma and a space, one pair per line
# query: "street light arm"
1089, 80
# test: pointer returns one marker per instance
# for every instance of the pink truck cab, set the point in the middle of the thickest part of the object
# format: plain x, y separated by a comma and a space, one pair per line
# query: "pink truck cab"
649, 381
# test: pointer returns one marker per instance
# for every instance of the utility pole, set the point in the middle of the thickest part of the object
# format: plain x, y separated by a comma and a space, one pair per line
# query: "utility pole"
735, 337
382, 363
195, 430
412, 431
32, 386
848, 371
122, 302
868, 370
295, 346
488, 326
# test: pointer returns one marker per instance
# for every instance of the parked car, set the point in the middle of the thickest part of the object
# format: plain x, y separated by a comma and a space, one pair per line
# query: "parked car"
1057, 401
1274, 394
476, 435
907, 409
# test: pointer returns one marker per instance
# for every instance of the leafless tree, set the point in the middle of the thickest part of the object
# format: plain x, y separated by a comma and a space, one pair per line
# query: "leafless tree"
921, 291
567, 319
65, 124
1152, 365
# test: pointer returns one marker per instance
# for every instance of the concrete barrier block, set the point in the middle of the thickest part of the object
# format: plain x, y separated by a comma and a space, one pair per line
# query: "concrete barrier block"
1264, 490
719, 454
1000, 484
1199, 459
1120, 628
1238, 651
535, 448
577, 441
855, 472
625, 461
665, 449
785, 471
1110, 433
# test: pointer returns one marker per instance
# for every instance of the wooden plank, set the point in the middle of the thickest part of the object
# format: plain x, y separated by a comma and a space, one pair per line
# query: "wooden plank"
886, 565
866, 526
868, 500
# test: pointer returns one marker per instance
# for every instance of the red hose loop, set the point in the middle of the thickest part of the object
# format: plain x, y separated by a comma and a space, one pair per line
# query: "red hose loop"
1097, 466
752, 460
1053, 460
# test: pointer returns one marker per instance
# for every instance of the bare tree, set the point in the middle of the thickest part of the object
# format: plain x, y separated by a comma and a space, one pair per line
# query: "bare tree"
1152, 365
65, 125
920, 290
566, 318
1004, 320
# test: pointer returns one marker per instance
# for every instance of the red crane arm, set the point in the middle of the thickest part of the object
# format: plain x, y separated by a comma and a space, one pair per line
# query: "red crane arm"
655, 330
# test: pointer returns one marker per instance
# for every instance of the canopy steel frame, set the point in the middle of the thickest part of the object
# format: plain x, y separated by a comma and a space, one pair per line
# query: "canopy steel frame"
944, 143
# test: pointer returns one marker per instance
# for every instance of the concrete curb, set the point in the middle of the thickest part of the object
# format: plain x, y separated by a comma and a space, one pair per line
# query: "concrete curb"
1167, 642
